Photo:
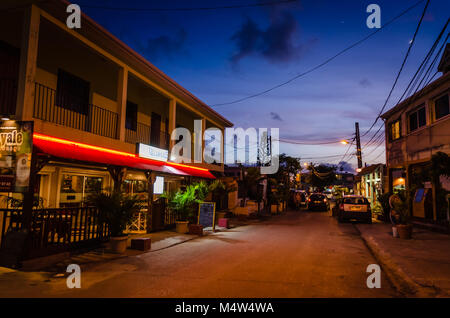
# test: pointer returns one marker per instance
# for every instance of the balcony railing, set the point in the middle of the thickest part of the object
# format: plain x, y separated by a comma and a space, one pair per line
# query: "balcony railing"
142, 134
8, 96
98, 120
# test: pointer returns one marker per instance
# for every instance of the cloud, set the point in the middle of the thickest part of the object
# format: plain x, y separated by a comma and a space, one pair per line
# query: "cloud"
163, 46
345, 166
276, 43
275, 116
365, 82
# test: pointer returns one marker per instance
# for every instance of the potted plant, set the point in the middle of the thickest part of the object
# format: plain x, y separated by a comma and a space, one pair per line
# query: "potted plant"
116, 210
184, 203
400, 216
219, 191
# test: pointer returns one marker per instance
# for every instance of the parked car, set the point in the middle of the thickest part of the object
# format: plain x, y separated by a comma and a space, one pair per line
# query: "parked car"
318, 201
354, 207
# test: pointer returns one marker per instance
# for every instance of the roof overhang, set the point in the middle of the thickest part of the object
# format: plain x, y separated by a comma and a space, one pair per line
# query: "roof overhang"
72, 150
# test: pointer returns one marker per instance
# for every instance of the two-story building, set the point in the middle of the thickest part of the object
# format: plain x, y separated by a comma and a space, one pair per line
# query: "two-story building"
93, 100
416, 129
371, 182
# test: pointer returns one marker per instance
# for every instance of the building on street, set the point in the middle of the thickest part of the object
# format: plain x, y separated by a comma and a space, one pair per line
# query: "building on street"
371, 182
416, 129
102, 114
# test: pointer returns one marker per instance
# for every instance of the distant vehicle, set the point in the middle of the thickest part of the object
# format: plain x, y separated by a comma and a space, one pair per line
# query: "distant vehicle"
354, 207
317, 201
329, 194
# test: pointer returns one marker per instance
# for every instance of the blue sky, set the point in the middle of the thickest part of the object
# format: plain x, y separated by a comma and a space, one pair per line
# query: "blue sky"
223, 55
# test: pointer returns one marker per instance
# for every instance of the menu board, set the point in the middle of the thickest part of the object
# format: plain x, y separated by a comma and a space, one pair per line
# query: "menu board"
16, 142
206, 214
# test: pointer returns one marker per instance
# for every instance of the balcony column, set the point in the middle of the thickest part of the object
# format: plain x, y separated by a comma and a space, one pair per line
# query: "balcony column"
172, 122
222, 155
202, 139
122, 89
27, 67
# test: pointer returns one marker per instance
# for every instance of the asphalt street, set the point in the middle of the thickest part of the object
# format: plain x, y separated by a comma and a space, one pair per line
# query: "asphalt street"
298, 254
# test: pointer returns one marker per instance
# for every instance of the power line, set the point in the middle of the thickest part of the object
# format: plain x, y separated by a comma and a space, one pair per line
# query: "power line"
250, 5
401, 68
432, 64
373, 160
323, 63
295, 142
412, 83
421, 68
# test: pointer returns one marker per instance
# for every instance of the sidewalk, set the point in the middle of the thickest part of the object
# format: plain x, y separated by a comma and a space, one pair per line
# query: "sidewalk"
417, 267
160, 240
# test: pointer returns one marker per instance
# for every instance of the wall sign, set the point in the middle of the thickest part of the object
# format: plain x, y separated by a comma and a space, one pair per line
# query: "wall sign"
150, 152
207, 214
16, 145
158, 186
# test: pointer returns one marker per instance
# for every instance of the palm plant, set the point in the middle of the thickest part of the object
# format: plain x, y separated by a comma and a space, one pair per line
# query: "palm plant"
183, 203
116, 210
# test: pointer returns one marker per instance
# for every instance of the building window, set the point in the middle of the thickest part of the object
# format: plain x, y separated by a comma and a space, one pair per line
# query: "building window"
76, 189
131, 116
417, 119
441, 106
72, 93
394, 130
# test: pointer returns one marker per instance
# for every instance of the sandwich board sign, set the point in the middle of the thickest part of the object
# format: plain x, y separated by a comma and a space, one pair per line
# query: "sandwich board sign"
207, 214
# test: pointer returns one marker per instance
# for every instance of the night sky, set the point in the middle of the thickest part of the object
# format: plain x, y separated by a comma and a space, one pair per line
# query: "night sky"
226, 54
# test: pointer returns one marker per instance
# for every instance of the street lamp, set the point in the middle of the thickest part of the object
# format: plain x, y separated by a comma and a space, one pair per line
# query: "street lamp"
344, 142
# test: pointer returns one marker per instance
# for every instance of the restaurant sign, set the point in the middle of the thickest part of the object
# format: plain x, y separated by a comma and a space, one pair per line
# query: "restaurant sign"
150, 152
16, 142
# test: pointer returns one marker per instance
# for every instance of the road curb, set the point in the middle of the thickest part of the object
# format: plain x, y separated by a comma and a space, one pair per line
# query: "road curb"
396, 275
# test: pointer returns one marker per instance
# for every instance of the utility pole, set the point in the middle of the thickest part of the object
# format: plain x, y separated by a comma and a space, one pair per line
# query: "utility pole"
358, 146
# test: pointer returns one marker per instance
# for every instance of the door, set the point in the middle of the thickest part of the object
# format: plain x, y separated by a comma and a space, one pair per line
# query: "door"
155, 135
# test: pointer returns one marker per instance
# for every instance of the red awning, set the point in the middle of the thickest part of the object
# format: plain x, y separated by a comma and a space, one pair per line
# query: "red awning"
66, 149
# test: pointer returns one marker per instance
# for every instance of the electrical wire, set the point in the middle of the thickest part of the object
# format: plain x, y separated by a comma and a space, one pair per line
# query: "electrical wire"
401, 68
323, 63
145, 10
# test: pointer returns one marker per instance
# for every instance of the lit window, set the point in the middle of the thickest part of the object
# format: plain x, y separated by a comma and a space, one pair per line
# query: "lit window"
441, 106
395, 130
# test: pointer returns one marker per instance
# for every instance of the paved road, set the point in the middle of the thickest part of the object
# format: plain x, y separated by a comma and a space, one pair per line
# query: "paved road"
300, 254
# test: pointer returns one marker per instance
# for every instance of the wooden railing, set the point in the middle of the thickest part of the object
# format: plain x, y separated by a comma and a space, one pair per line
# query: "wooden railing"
56, 230
142, 134
96, 120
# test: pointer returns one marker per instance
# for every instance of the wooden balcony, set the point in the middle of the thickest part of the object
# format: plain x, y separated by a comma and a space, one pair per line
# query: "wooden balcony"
95, 119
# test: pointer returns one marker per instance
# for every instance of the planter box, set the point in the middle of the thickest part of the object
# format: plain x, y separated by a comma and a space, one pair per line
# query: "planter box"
196, 229
119, 244
141, 244
182, 227
224, 223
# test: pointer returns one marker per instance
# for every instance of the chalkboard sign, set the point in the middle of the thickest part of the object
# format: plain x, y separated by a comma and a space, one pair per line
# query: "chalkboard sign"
206, 214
